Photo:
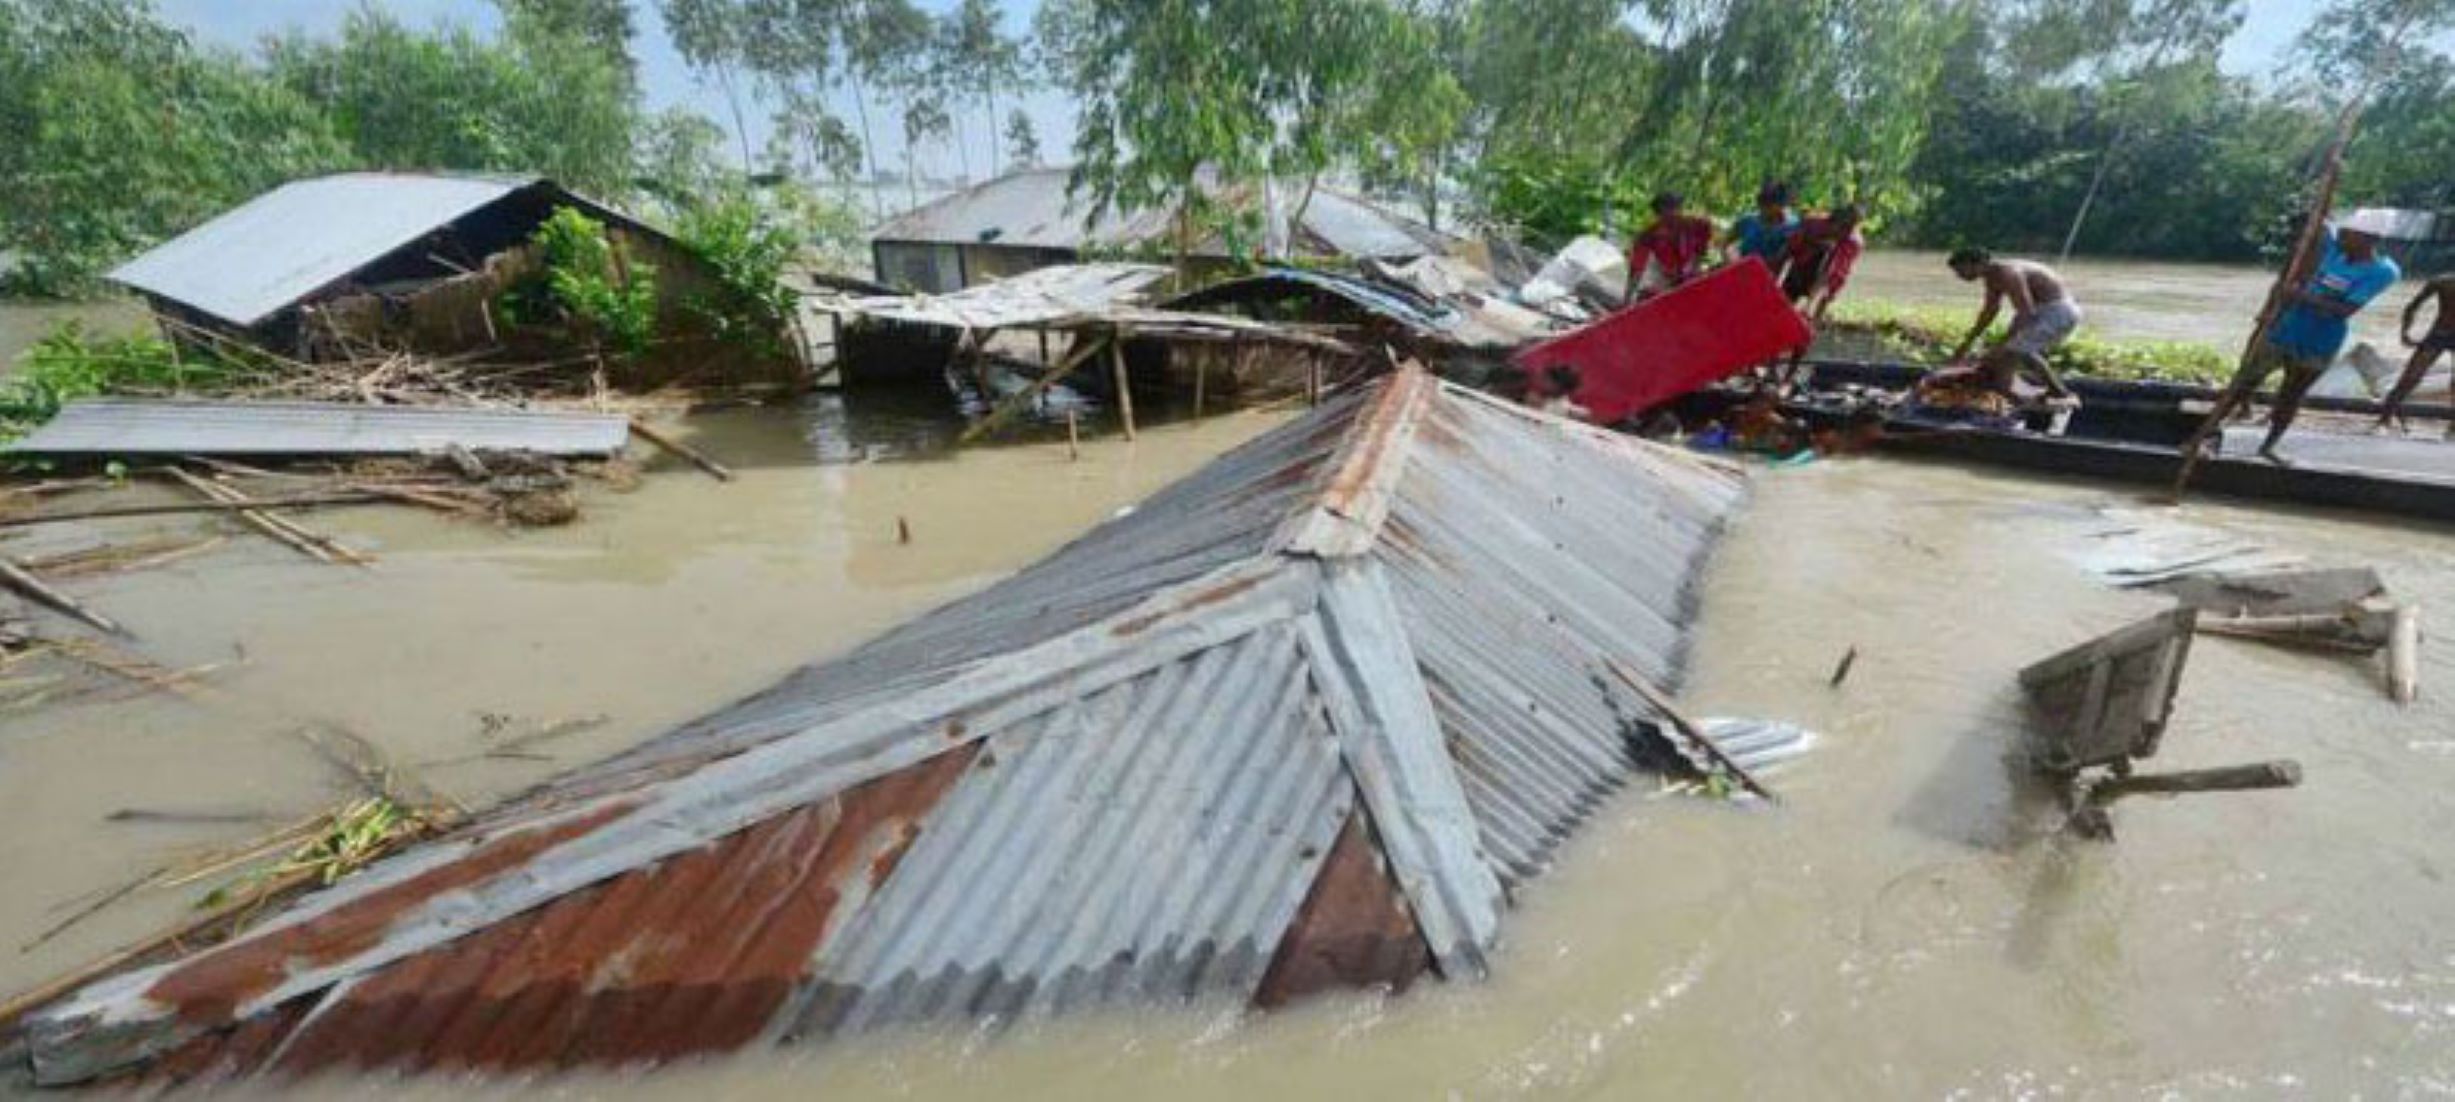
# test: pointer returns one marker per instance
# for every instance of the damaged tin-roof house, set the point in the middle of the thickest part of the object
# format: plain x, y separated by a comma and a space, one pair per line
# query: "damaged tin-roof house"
1026, 220
331, 267
1307, 719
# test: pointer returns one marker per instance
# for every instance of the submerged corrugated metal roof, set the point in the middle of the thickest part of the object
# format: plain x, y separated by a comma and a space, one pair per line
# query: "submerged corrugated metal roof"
1041, 296
1030, 208
1301, 719
250, 262
149, 426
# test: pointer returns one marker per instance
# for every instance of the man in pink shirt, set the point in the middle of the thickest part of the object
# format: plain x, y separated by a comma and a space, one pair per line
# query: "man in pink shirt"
1675, 245
1820, 257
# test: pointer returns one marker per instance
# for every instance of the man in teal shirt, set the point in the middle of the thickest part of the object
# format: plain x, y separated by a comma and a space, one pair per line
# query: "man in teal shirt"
1765, 234
2317, 318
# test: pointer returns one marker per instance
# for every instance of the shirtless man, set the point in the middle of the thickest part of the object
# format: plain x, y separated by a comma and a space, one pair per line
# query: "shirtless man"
2440, 340
2043, 317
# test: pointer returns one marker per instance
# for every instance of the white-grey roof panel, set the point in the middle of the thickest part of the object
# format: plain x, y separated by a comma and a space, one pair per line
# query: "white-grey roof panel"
129, 426
279, 247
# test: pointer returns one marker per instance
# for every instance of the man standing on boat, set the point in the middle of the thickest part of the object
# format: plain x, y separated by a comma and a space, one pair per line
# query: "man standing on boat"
2316, 320
2439, 341
1674, 245
2044, 314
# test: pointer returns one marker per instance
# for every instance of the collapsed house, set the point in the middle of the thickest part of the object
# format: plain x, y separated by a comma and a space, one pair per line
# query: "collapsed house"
1027, 220
1308, 719
1085, 309
336, 266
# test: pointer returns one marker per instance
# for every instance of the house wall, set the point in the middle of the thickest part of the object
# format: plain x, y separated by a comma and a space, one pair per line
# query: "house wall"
460, 314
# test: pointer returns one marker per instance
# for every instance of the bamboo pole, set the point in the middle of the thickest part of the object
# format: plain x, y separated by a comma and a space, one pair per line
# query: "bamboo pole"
314, 545
1125, 387
2297, 269
2404, 655
40, 592
696, 457
307, 501
1007, 410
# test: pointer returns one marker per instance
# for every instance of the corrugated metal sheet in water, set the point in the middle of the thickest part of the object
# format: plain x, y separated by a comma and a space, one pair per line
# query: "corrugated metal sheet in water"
1036, 297
125, 426
1122, 776
1149, 842
269, 252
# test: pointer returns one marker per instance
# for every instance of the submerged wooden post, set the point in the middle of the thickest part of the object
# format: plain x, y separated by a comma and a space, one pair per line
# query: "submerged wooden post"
2404, 654
1074, 436
1201, 370
1125, 389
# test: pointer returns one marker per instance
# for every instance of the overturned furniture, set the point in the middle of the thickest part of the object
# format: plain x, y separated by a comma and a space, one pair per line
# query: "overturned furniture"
1306, 719
2105, 704
1635, 360
2343, 610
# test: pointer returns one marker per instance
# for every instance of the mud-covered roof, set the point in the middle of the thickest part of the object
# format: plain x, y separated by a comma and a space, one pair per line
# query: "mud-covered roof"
1304, 719
1032, 209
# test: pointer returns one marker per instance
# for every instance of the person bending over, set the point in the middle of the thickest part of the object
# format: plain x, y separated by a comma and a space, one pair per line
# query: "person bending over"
2044, 314
2439, 341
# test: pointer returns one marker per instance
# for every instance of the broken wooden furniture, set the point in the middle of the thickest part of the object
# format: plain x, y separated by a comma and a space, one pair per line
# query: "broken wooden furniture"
2342, 610
2104, 705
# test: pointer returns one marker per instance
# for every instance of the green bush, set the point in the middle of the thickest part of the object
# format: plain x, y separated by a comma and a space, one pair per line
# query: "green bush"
606, 298
747, 251
1926, 334
71, 363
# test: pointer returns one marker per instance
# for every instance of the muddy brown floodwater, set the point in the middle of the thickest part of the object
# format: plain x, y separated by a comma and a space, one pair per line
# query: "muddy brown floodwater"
1906, 924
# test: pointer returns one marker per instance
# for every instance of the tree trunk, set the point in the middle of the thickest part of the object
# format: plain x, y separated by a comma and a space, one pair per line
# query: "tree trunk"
869, 147
997, 155
733, 99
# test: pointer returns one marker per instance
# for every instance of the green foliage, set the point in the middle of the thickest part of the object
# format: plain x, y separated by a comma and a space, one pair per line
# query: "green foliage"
1022, 141
1928, 334
535, 100
604, 296
747, 249
1169, 89
72, 362
115, 131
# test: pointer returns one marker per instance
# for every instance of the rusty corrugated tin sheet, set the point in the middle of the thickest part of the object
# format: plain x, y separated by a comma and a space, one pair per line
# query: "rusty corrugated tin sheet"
1301, 720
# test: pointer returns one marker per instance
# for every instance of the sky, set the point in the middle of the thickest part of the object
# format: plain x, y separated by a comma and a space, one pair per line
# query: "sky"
2261, 47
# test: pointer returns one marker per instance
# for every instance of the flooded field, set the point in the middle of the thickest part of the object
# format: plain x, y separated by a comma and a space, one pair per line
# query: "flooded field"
1907, 923
2210, 304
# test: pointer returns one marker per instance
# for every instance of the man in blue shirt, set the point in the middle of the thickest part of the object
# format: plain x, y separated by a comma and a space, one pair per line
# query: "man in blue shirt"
1764, 234
2316, 319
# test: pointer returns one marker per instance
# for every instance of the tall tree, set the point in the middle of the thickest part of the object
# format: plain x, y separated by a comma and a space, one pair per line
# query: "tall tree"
925, 120
1168, 89
978, 58
2123, 53
886, 48
1022, 141
711, 36
603, 24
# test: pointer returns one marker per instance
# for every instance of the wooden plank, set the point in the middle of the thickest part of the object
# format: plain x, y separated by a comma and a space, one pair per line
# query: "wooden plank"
1007, 410
696, 457
1125, 386
40, 592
